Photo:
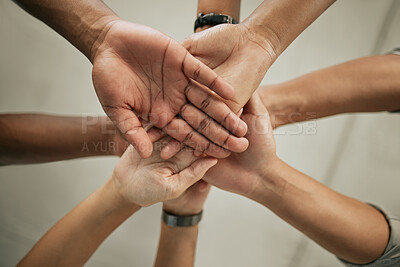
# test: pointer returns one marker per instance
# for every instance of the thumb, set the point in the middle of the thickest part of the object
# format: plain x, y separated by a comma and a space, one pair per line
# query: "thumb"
196, 70
131, 128
255, 105
195, 172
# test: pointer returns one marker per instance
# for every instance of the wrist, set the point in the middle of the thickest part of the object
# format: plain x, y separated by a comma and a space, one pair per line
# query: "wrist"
284, 104
113, 195
182, 211
98, 32
265, 37
271, 182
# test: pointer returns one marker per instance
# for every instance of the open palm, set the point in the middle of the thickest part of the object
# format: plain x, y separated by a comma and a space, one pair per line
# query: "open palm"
140, 72
152, 180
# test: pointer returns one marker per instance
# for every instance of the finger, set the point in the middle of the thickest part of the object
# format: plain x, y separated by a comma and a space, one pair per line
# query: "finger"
255, 105
215, 108
145, 124
202, 186
183, 132
155, 134
195, 171
212, 130
132, 130
171, 149
196, 70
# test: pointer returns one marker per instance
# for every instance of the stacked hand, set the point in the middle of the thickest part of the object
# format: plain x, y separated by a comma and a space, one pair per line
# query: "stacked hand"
140, 72
236, 54
148, 181
243, 173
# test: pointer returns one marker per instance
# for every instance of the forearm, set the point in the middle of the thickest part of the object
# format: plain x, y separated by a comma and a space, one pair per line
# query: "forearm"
350, 229
177, 246
276, 23
75, 237
363, 85
80, 22
36, 138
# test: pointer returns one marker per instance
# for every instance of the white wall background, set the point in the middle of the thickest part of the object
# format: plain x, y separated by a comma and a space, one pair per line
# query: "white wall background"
357, 155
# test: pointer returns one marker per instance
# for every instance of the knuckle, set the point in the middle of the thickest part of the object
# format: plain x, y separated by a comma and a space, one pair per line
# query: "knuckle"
188, 88
205, 124
208, 145
224, 144
196, 71
214, 82
189, 137
184, 108
226, 117
205, 102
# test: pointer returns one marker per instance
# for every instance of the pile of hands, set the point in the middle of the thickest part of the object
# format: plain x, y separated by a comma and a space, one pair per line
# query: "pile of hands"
182, 97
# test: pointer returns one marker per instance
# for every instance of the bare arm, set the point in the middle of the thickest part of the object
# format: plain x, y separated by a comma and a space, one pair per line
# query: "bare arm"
348, 228
76, 237
134, 183
80, 22
133, 65
367, 84
177, 245
243, 53
37, 138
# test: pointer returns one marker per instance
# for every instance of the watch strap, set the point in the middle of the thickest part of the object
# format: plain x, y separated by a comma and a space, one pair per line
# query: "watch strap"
181, 221
212, 20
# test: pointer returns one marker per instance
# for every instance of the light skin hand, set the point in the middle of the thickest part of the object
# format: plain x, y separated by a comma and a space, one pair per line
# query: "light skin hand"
235, 54
350, 229
239, 173
148, 181
139, 72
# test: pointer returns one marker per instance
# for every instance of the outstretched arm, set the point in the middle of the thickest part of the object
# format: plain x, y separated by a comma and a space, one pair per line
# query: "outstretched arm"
38, 138
350, 229
80, 22
241, 54
134, 183
367, 84
177, 245
76, 237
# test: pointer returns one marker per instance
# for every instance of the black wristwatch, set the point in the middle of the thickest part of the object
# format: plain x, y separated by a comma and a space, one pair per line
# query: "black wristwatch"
181, 221
212, 20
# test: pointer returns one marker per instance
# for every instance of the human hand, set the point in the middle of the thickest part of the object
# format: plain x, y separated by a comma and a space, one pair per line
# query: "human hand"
242, 173
190, 202
236, 54
140, 72
148, 181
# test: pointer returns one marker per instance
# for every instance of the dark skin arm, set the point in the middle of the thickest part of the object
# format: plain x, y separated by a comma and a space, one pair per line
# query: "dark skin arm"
80, 22
39, 138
